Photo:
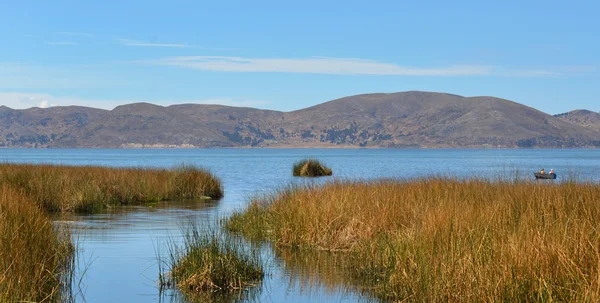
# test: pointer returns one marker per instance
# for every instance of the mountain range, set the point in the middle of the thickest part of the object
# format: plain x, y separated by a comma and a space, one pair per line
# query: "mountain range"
406, 119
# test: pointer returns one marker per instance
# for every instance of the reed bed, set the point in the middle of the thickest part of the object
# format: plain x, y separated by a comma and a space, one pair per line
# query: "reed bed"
211, 266
86, 189
445, 239
310, 168
35, 257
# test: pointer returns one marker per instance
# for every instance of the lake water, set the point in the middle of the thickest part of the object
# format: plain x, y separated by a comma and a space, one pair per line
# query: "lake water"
118, 250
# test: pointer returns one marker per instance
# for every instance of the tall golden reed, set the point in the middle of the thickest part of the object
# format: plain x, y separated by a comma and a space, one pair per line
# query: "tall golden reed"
59, 188
445, 239
34, 255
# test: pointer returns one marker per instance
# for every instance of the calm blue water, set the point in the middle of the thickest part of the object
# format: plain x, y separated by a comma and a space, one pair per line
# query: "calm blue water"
120, 248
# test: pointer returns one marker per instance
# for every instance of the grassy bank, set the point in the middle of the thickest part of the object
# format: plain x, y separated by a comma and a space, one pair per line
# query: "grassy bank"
444, 239
210, 266
58, 188
34, 256
310, 168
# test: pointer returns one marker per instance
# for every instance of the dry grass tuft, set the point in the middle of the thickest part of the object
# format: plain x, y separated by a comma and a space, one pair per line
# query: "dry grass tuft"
86, 189
445, 239
310, 168
34, 255
211, 263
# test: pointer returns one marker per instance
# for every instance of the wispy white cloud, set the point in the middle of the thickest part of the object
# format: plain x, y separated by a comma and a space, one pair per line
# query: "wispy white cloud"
62, 43
336, 66
580, 68
20, 100
45, 104
128, 42
225, 101
54, 40
74, 34
31, 76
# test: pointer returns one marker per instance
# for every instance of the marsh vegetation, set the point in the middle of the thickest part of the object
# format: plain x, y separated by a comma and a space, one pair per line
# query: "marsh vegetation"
210, 265
310, 168
88, 189
444, 239
35, 256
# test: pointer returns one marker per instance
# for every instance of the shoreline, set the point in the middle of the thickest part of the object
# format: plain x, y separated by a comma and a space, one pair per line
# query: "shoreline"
310, 147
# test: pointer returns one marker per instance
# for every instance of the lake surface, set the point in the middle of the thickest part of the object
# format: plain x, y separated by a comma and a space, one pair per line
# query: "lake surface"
118, 256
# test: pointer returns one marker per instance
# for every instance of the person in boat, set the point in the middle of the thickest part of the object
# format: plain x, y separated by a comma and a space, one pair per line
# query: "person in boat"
552, 171
542, 171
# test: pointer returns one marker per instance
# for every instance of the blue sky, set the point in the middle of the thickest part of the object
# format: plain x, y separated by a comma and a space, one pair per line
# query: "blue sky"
286, 55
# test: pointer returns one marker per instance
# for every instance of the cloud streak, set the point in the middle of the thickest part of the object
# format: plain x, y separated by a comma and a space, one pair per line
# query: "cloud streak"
228, 102
30, 76
128, 42
333, 66
20, 100
74, 34
62, 43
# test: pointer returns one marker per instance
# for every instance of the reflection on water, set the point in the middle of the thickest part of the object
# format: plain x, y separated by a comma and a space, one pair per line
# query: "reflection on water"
317, 270
118, 257
216, 261
121, 247
246, 295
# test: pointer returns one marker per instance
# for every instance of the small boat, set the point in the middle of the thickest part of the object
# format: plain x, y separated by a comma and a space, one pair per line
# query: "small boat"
544, 176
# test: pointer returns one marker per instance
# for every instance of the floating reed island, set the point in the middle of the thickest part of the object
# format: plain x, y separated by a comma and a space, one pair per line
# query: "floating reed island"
88, 189
444, 239
35, 257
211, 263
310, 168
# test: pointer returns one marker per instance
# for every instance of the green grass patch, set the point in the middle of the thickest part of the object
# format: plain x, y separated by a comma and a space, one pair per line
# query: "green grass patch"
211, 263
310, 168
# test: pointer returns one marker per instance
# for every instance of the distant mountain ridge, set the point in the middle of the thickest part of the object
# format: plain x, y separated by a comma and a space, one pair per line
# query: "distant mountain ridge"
405, 119
585, 118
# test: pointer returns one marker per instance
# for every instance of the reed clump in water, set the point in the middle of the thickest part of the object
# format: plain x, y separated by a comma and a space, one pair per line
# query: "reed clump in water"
34, 255
86, 189
445, 239
310, 168
211, 263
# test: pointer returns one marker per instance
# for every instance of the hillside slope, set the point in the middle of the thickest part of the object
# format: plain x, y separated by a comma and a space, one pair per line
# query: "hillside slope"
585, 118
406, 119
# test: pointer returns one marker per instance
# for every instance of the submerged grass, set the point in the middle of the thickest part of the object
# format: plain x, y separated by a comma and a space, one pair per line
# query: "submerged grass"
211, 265
34, 255
445, 239
86, 189
310, 168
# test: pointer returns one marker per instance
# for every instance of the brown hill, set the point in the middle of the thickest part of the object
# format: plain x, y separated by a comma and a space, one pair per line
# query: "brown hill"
434, 119
148, 124
585, 118
44, 127
407, 119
